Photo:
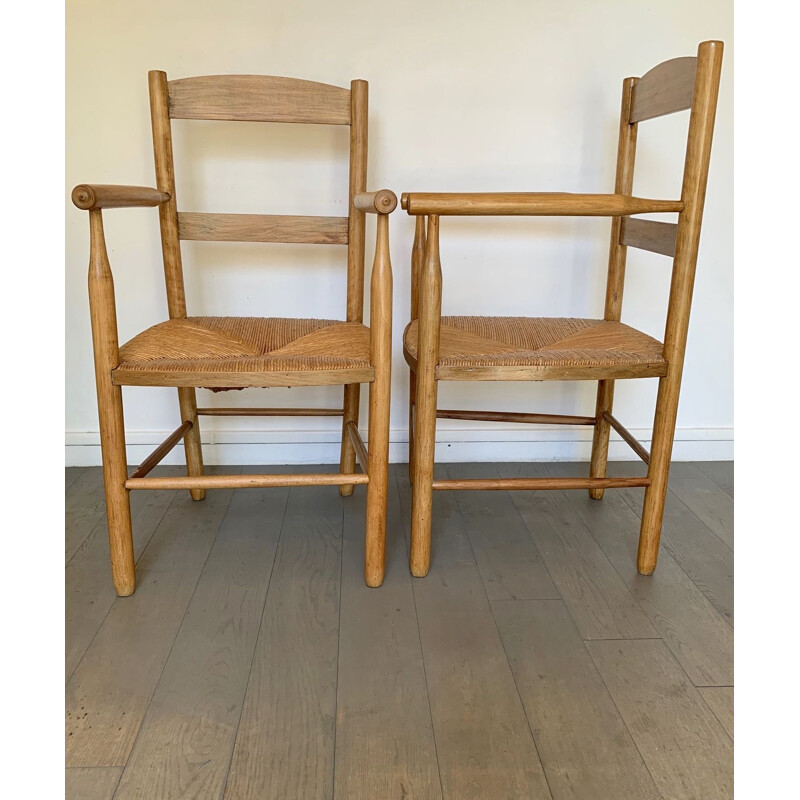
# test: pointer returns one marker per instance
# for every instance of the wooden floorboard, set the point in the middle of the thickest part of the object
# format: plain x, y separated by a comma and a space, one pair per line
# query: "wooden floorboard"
384, 735
586, 750
285, 742
701, 554
483, 742
721, 472
110, 690
509, 563
184, 745
684, 746
720, 700
92, 783
89, 590
85, 509
594, 593
696, 633
533, 660
705, 498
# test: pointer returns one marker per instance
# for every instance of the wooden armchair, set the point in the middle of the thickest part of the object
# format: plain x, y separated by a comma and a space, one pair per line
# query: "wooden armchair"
527, 349
230, 352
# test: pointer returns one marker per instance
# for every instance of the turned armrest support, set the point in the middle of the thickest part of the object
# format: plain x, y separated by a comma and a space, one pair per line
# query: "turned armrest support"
381, 202
533, 204
91, 197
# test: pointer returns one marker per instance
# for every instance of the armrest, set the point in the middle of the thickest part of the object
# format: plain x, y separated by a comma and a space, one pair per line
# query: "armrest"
534, 204
381, 202
91, 197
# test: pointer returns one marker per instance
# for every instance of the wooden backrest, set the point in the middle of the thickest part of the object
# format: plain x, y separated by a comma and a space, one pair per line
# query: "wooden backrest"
258, 98
675, 85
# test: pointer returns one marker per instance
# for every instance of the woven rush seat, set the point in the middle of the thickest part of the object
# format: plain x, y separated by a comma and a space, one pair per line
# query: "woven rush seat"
235, 352
547, 344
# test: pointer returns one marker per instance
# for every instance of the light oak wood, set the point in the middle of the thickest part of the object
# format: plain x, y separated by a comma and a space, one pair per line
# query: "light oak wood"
627, 437
258, 98
380, 202
530, 349
261, 228
157, 456
693, 192
244, 380
359, 113
430, 311
244, 481
379, 394
647, 234
503, 484
508, 416
615, 283
417, 260
91, 197
105, 343
536, 204
270, 412
665, 89
358, 444
720, 700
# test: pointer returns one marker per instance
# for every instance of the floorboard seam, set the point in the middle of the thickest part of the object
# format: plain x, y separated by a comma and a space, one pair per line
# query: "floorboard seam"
338, 652
255, 645
172, 646
116, 598
500, 636
422, 653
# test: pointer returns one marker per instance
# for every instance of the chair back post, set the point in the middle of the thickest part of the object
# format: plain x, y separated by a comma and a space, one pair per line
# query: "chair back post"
359, 109
165, 182
693, 192
430, 301
417, 260
623, 184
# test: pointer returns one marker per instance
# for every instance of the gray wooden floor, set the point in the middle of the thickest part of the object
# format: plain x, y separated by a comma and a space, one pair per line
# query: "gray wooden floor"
532, 662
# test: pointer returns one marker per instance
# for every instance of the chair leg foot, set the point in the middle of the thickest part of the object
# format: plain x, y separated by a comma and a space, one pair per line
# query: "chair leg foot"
596, 494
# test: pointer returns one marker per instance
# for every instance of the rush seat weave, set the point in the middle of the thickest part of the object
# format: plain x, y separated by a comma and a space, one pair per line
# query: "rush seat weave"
538, 342
242, 346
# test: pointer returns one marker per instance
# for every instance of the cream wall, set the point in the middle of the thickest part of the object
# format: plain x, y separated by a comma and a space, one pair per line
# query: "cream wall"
512, 95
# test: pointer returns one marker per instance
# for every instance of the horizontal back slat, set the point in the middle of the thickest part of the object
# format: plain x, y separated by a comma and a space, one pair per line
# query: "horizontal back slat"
262, 228
258, 98
646, 234
667, 88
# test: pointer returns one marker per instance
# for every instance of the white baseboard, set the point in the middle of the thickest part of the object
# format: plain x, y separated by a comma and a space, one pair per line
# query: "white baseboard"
498, 443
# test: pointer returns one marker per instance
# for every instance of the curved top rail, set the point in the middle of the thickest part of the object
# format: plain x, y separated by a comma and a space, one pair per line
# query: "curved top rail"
258, 98
665, 89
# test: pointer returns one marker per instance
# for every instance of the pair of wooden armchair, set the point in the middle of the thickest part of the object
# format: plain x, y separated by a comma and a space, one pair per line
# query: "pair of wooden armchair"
234, 352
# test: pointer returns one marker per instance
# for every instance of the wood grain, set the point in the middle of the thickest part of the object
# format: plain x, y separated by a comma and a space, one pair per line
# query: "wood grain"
92, 197
184, 745
261, 228
647, 234
705, 499
510, 565
109, 692
685, 748
384, 735
285, 742
665, 89
595, 595
586, 750
258, 98
721, 472
89, 591
92, 783
535, 204
720, 700
696, 633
